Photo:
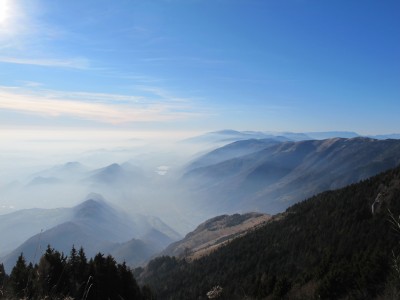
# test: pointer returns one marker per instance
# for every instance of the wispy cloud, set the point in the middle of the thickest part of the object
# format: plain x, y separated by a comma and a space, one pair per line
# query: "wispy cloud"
187, 60
103, 108
74, 63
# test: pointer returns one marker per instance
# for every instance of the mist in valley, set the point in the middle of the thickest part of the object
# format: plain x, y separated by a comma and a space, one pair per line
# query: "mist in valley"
135, 174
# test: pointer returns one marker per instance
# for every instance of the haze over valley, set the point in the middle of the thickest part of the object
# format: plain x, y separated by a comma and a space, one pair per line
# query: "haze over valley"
163, 198
199, 149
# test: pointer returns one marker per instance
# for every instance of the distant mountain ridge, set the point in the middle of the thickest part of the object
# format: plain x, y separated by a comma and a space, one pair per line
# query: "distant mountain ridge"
71, 181
116, 174
228, 136
232, 150
69, 171
97, 227
283, 173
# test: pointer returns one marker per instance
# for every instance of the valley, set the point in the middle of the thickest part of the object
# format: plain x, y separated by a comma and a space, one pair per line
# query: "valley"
199, 150
220, 198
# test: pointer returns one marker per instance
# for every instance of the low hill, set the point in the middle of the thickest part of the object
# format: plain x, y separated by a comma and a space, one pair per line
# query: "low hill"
116, 174
336, 245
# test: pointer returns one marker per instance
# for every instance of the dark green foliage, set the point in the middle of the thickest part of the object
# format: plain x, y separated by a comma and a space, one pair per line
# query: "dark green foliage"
57, 277
330, 246
3, 279
127, 285
19, 277
53, 278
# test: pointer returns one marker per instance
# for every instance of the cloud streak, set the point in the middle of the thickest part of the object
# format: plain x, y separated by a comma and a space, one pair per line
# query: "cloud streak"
104, 108
74, 63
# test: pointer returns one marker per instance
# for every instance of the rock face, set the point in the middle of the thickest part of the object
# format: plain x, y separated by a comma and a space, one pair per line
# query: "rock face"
214, 233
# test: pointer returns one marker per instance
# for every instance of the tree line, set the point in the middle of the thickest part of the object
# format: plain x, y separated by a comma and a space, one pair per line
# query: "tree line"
60, 277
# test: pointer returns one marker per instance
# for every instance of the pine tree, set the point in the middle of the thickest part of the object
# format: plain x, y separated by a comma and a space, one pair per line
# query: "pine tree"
3, 275
127, 284
3, 279
19, 277
52, 276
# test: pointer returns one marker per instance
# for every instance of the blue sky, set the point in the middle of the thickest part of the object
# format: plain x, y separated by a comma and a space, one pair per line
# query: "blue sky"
200, 65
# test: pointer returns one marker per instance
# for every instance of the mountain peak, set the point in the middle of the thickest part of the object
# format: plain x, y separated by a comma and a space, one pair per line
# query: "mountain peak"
226, 132
113, 167
88, 209
95, 197
93, 207
73, 164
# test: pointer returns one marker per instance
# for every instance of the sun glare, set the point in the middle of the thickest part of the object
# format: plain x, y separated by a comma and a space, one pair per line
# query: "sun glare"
4, 11
12, 18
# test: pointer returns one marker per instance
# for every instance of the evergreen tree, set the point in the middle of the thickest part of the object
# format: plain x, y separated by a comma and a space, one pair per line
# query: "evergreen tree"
52, 276
82, 268
146, 293
3, 275
19, 277
3, 279
58, 277
127, 284
73, 272
77, 267
105, 277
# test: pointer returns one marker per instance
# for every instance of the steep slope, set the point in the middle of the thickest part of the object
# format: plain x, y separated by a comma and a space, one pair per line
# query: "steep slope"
61, 237
97, 227
232, 150
17, 227
134, 252
331, 246
274, 178
214, 233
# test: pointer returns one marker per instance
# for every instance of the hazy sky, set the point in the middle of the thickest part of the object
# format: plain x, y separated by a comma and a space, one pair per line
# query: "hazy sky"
200, 65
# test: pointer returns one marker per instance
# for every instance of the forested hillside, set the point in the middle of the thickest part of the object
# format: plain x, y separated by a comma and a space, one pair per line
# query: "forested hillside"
336, 245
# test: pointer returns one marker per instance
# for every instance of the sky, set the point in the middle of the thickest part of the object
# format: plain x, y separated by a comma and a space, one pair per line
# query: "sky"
185, 66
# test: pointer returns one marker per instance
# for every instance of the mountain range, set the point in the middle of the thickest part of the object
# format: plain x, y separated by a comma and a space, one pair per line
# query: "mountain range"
283, 173
262, 172
228, 136
68, 183
339, 244
94, 225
